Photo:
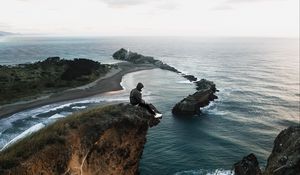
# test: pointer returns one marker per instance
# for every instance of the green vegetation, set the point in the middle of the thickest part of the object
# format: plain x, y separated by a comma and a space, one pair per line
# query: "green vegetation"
90, 123
28, 81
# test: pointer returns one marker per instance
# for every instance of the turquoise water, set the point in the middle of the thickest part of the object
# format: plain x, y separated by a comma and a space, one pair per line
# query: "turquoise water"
258, 79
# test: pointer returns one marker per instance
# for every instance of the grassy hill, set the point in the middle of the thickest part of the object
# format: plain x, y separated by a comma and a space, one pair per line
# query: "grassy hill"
28, 81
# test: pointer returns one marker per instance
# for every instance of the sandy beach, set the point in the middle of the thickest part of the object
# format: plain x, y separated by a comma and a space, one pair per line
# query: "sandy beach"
110, 82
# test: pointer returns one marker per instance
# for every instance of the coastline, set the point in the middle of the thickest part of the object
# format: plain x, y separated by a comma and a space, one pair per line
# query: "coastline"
110, 82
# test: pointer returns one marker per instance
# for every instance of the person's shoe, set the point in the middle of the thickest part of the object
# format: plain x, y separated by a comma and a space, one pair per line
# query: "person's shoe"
157, 115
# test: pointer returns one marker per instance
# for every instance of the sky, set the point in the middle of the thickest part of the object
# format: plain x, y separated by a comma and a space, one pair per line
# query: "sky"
216, 18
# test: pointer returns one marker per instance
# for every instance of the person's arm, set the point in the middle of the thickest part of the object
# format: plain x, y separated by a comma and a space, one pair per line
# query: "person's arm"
138, 97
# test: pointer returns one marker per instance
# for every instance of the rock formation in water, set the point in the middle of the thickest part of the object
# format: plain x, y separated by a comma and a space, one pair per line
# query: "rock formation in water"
191, 78
136, 58
247, 166
191, 104
106, 140
284, 159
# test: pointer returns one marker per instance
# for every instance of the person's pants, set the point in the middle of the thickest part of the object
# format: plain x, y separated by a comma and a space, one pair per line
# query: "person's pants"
148, 107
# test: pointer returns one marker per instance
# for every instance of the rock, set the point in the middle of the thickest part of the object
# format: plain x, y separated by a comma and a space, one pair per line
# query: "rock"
285, 156
284, 159
205, 84
106, 140
190, 77
136, 58
190, 105
247, 166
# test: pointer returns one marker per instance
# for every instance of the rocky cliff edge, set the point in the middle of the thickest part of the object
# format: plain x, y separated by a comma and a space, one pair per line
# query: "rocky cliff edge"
105, 140
284, 159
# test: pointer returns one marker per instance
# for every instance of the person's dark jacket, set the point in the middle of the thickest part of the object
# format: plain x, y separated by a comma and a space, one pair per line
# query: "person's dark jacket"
136, 95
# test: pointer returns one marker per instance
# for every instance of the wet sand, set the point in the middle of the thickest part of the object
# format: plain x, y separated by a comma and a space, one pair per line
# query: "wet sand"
110, 82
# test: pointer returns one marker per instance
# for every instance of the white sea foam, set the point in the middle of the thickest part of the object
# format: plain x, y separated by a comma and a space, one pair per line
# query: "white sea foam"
184, 82
78, 107
209, 107
212, 108
26, 133
55, 116
122, 84
205, 172
59, 107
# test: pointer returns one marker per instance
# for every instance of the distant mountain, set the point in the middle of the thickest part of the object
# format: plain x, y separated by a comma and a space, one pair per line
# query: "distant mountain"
5, 33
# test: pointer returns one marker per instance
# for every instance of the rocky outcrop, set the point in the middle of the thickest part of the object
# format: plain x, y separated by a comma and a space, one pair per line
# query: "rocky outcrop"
126, 55
190, 77
191, 104
107, 140
284, 159
136, 58
247, 166
285, 156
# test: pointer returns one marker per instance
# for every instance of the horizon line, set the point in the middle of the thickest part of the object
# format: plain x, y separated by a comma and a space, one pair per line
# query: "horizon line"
179, 36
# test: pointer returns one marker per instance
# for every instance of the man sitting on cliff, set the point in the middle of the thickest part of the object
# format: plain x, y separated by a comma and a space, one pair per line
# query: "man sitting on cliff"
136, 99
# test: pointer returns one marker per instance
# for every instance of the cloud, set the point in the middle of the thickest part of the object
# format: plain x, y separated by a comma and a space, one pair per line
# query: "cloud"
228, 4
222, 7
4, 27
247, 1
124, 3
158, 4
168, 6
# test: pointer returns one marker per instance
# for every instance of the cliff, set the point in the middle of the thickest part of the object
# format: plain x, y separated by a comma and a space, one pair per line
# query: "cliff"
105, 140
284, 159
285, 156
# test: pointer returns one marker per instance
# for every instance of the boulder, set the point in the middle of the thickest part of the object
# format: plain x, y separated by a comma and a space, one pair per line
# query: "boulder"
190, 77
285, 156
191, 104
247, 166
284, 159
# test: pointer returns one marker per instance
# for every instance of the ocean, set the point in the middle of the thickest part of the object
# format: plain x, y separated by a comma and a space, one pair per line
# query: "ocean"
257, 78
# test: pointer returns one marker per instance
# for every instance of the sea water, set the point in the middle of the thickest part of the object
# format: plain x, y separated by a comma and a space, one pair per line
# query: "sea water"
257, 78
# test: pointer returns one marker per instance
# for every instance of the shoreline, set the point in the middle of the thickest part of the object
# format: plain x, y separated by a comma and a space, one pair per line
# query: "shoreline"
110, 82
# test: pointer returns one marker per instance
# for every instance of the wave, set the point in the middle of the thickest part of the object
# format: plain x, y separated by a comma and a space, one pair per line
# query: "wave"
26, 133
205, 172
78, 107
184, 82
56, 116
212, 109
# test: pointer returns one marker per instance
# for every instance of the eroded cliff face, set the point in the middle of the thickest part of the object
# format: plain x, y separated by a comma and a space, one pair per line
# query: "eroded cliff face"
284, 159
106, 140
285, 156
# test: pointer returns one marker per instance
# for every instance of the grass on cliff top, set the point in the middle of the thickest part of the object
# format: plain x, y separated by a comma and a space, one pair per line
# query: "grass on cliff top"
56, 134
28, 81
